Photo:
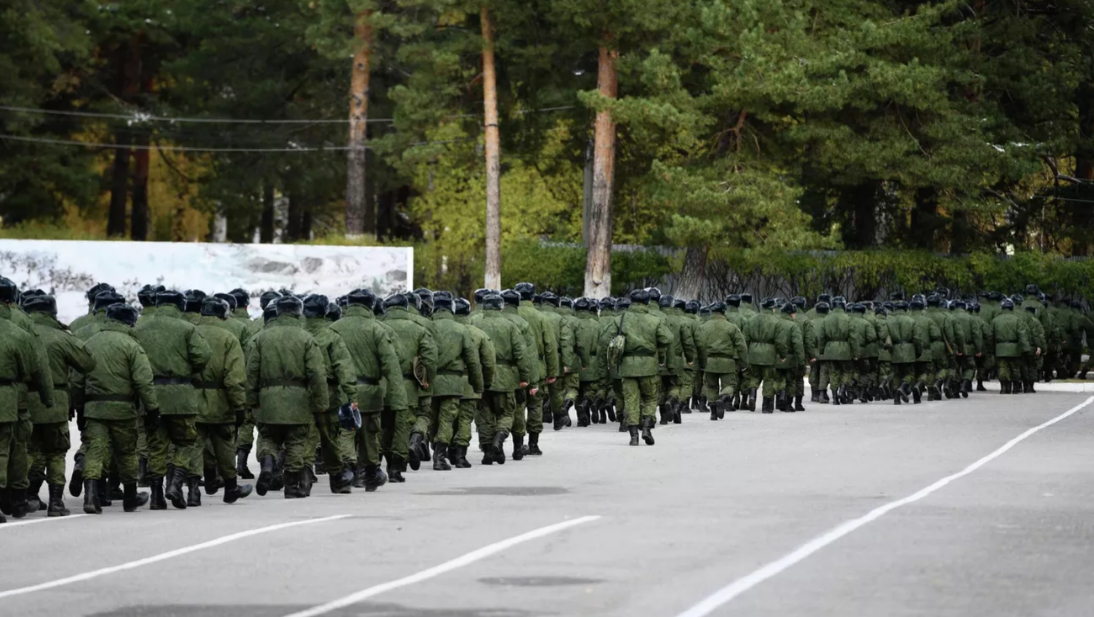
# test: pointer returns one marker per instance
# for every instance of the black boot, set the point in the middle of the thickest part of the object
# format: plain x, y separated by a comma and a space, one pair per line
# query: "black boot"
980, 385
439, 464
735, 402
173, 492
265, 474
158, 501
836, 396
293, 482
34, 502
76, 483
131, 499
904, 392
897, 400
242, 471
114, 483
814, 395
634, 434
609, 408
395, 467
583, 413
966, 388
685, 406
768, 405
647, 431
751, 403
782, 403
824, 400
213, 481
1027, 387
663, 413
715, 408
498, 445
91, 497
307, 479
533, 445
19, 506
142, 473
57, 501
798, 404
193, 492
374, 478
488, 454
233, 491
677, 412
518, 447
105, 497
415, 448
917, 393
341, 482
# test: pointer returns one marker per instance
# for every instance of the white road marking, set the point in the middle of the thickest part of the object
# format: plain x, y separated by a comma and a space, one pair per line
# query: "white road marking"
445, 567
730, 592
18, 523
163, 556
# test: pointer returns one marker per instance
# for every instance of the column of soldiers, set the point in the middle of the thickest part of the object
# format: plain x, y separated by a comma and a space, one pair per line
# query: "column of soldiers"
176, 395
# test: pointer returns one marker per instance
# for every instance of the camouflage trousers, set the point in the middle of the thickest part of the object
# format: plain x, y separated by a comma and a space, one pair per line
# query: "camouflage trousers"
865, 372
395, 426
446, 409
903, 373
966, 367
532, 423
924, 372
422, 416
220, 439
246, 435
1010, 369
720, 384
46, 452
641, 397
326, 435
885, 373
769, 377
1032, 367
13, 452
292, 438
112, 440
178, 431
495, 414
367, 439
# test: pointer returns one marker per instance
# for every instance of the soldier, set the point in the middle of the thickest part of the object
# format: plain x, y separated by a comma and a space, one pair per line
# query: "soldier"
546, 349
94, 322
586, 340
884, 357
766, 348
21, 370
512, 373
925, 364
414, 343
375, 359
571, 380
968, 331
908, 341
471, 400
50, 442
1038, 340
985, 363
666, 363
222, 401
106, 407
286, 386
722, 354
680, 384
245, 434
747, 310
738, 318
1034, 298
863, 365
944, 350
177, 354
147, 298
191, 313
420, 310
840, 344
1012, 344
820, 373
611, 383
92, 293
645, 339
691, 312
457, 363
563, 335
341, 376
790, 368
821, 299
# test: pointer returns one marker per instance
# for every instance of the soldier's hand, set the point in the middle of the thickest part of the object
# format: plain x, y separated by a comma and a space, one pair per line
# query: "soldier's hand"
533, 392
151, 419
524, 384
1038, 352
241, 417
552, 379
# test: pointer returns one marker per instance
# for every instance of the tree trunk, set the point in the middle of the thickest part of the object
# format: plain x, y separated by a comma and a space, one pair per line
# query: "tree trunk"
119, 188
139, 222
690, 284
295, 218
924, 218
266, 226
860, 201
493, 156
357, 222
598, 266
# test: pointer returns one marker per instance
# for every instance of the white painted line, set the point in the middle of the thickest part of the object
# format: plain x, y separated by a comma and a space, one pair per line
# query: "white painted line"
163, 556
18, 523
729, 592
445, 567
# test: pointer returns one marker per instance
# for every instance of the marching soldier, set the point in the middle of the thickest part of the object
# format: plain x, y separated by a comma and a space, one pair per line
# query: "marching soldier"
765, 349
1012, 344
471, 401
645, 339
546, 349
513, 370
457, 363
415, 346
723, 355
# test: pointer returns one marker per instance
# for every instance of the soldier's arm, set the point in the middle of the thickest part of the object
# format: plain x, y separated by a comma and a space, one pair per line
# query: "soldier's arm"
198, 351
235, 377
77, 357
471, 360
315, 371
427, 354
798, 344
740, 344
345, 370
488, 357
566, 342
664, 340
687, 339
701, 351
392, 371
580, 347
550, 350
854, 337
254, 374
39, 376
783, 343
141, 372
520, 355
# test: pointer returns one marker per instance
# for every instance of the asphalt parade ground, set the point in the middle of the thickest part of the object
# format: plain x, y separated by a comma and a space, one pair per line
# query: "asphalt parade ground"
968, 507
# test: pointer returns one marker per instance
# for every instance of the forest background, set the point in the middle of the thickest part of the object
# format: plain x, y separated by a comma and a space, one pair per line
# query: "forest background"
897, 143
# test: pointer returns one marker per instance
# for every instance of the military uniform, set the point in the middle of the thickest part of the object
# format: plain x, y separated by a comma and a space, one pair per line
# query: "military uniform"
560, 331
840, 344
788, 368
647, 338
513, 366
471, 400
412, 341
766, 347
546, 350
50, 441
1038, 339
106, 400
457, 364
1012, 344
586, 342
865, 359
723, 356
177, 353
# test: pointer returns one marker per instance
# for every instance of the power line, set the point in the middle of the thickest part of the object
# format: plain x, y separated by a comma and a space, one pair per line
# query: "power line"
67, 142
139, 116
